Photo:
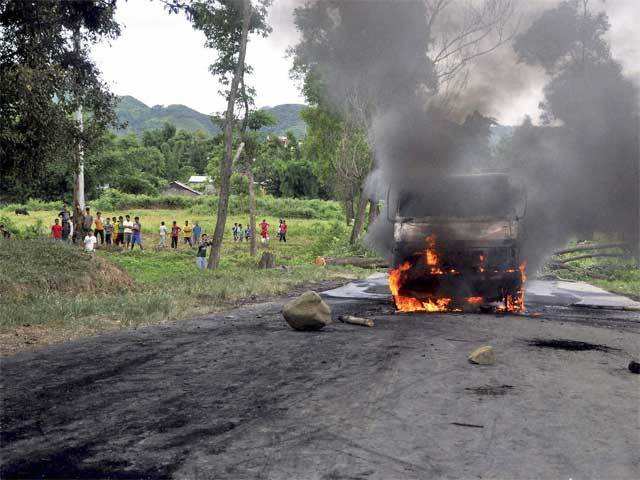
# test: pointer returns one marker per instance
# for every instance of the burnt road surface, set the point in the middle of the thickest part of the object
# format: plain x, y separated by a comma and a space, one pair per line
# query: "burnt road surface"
242, 396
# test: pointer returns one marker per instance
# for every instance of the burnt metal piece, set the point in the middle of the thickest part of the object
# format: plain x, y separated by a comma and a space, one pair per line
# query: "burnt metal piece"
491, 390
571, 345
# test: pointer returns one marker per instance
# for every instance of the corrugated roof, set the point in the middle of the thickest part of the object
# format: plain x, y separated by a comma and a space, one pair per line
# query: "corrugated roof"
186, 187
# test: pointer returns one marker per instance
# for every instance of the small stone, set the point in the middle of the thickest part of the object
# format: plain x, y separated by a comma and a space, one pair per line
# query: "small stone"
483, 356
307, 312
634, 367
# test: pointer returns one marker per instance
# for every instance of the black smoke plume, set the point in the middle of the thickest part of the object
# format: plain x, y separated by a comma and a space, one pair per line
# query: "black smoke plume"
580, 167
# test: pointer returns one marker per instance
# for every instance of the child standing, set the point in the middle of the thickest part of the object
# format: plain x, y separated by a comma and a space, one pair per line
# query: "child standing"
282, 232
108, 231
163, 235
136, 233
264, 232
90, 242
201, 256
128, 230
186, 233
197, 231
99, 227
175, 234
120, 237
56, 230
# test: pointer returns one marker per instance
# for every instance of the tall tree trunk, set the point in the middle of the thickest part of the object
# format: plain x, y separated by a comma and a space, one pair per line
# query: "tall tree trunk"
78, 177
253, 247
358, 224
374, 211
348, 209
227, 163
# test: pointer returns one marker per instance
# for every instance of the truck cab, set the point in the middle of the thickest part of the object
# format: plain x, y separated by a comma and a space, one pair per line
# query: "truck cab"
458, 243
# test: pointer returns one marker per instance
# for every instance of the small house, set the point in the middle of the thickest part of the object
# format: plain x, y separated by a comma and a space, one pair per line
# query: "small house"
179, 188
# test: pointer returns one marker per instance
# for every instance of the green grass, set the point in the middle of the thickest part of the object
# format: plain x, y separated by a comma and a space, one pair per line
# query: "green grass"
65, 293
618, 275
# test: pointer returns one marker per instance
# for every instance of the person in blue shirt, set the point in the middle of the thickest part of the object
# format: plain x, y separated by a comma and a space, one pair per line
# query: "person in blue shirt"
197, 231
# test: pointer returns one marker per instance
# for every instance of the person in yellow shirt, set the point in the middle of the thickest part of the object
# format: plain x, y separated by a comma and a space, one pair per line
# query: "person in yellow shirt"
186, 233
99, 227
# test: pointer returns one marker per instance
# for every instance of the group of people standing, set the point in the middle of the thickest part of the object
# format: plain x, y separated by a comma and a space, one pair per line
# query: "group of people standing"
239, 233
120, 230
191, 234
126, 232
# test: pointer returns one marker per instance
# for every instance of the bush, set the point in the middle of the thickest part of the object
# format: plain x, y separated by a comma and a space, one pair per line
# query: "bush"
266, 205
36, 230
115, 200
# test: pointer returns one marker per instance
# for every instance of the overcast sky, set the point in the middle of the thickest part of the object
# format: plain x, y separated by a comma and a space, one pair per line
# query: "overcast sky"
160, 59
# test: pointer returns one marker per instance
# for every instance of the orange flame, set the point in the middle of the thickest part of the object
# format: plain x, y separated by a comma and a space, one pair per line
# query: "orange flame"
397, 277
475, 300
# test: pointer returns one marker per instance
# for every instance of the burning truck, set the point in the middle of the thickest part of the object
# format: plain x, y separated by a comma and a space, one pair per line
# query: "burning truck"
457, 246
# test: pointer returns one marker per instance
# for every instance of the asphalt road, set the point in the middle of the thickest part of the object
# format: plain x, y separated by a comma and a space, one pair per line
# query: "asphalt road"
241, 395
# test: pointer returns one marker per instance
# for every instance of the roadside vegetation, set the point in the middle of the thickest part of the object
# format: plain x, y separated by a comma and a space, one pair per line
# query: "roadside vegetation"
618, 273
51, 291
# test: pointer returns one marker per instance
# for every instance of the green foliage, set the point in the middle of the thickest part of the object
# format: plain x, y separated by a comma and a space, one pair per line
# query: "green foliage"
114, 200
332, 240
267, 205
44, 80
239, 184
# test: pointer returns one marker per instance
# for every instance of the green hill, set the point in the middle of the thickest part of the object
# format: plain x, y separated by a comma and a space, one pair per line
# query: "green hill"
140, 117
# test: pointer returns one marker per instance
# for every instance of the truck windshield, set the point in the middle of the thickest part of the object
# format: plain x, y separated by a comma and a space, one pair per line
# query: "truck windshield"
463, 196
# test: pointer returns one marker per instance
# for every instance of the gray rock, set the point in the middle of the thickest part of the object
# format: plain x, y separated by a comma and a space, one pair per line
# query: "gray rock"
307, 312
483, 356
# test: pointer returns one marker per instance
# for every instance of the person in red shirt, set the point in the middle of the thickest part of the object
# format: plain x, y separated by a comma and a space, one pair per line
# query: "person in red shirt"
56, 230
175, 234
282, 231
264, 231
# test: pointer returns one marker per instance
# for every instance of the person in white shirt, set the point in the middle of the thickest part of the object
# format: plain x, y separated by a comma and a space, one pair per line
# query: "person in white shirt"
163, 235
90, 242
128, 230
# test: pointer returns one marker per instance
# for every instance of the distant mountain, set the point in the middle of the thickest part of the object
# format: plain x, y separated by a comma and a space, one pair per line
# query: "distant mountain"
288, 116
140, 117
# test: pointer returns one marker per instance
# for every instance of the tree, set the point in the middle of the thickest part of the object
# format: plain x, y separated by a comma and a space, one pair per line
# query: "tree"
45, 78
226, 25
253, 121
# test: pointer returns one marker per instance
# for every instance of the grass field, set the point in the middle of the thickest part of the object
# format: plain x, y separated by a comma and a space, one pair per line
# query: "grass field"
55, 292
